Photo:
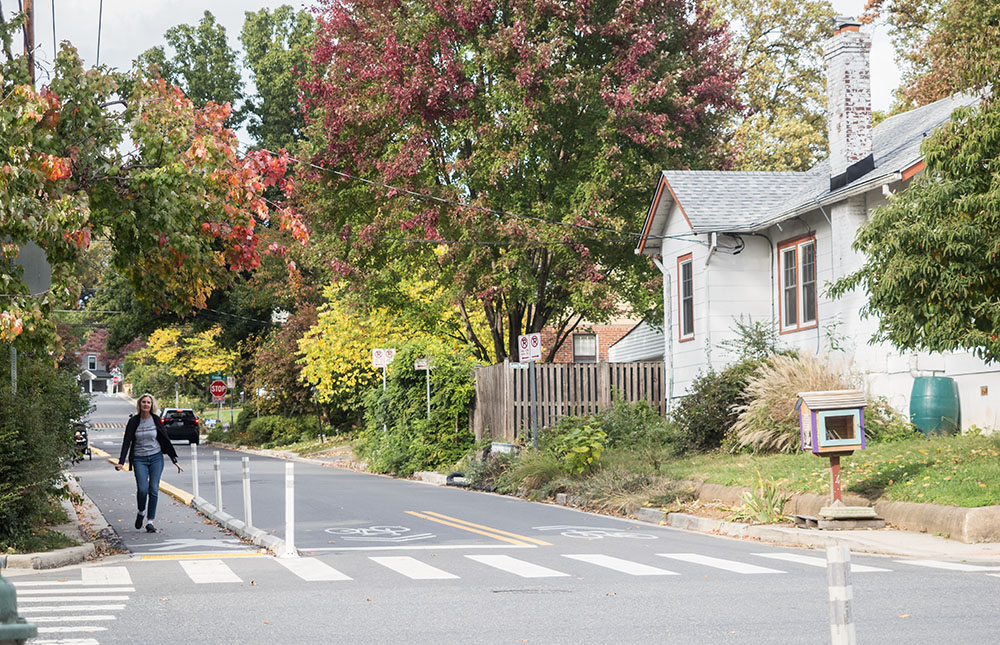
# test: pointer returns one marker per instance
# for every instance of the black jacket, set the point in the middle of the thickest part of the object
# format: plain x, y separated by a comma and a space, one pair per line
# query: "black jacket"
128, 444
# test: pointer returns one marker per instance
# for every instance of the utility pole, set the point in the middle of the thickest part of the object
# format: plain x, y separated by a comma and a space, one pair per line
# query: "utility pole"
29, 37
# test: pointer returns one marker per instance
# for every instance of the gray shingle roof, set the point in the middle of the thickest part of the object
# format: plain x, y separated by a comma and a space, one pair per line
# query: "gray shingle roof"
743, 201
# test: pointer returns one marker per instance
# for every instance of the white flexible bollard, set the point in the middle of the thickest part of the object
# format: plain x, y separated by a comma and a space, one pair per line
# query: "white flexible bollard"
194, 469
247, 515
218, 484
838, 580
290, 551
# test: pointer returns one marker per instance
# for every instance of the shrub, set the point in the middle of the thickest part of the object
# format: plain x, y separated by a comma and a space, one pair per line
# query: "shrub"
706, 415
633, 425
36, 439
531, 471
883, 424
763, 505
398, 437
267, 429
218, 435
768, 421
580, 449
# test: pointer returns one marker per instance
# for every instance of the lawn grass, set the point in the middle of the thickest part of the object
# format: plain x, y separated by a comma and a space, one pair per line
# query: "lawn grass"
954, 471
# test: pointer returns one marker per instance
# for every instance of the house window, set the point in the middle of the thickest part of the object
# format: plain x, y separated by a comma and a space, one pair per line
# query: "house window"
798, 283
685, 288
92, 362
584, 348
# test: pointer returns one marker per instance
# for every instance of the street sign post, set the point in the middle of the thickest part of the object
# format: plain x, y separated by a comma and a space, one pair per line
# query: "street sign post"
218, 390
381, 357
425, 364
529, 348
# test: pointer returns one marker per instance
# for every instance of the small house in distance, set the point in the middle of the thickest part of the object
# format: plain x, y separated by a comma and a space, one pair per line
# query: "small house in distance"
832, 421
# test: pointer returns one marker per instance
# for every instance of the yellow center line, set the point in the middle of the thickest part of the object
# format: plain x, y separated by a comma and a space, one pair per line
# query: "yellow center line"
466, 528
496, 534
487, 528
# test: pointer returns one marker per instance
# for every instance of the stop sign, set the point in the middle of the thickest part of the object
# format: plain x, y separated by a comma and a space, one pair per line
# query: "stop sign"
218, 389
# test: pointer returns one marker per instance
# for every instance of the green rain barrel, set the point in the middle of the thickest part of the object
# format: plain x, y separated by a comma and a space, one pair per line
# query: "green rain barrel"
934, 405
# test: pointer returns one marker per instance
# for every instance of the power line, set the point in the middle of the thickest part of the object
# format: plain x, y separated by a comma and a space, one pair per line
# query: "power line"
100, 19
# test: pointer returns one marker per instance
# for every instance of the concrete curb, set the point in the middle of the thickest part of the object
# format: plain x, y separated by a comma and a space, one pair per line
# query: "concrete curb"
966, 525
255, 535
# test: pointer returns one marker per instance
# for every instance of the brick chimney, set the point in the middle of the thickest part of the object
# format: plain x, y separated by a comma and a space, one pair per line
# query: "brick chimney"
849, 104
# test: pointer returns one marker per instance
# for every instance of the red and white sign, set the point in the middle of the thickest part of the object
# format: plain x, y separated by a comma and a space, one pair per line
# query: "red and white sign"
529, 347
218, 390
381, 357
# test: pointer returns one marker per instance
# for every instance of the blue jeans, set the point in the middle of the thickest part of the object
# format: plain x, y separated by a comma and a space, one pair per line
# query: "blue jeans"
147, 481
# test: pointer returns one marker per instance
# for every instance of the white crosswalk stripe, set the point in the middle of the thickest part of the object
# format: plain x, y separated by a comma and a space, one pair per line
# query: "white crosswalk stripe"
413, 568
813, 561
64, 630
624, 566
209, 571
26, 610
64, 641
311, 569
70, 619
105, 576
21, 598
719, 563
950, 566
54, 592
517, 567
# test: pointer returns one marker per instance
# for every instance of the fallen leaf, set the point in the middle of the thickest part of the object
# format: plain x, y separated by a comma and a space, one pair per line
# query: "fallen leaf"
368, 599
905, 616
266, 623
253, 583
611, 593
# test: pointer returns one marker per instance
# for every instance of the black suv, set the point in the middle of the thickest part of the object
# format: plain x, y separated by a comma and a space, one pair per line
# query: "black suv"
181, 423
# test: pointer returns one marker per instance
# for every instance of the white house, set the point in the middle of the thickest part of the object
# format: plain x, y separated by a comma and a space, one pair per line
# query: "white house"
763, 245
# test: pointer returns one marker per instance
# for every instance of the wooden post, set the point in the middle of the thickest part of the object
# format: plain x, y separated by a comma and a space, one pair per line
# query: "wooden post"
29, 37
835, 477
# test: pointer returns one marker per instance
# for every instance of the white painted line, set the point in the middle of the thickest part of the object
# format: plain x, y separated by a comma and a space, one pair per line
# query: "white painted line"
208, 571
64, 641
811, 561
68, 619
25, 610
517, 567
105, 576
21, 598
64, 630
949, 566
995, 575
311, 569
624, 566
51, 592
46, 583
718, 563
422, 547
412, 568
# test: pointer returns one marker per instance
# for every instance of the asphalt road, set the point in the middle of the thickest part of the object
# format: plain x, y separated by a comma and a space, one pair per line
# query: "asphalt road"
394, 561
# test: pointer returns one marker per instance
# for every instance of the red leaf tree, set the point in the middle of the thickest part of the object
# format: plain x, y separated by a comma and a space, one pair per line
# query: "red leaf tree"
511, 145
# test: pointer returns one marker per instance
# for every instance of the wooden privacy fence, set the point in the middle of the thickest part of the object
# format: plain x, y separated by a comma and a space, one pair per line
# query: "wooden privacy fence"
561, 389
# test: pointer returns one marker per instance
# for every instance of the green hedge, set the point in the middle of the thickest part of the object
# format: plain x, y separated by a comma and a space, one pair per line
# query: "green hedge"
36, 440
398, 436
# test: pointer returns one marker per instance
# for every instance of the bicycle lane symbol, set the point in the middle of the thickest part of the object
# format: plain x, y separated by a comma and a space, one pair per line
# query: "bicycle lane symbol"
393, 534
596, 533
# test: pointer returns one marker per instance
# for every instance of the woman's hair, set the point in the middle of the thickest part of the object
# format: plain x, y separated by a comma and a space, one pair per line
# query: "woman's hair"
152, 408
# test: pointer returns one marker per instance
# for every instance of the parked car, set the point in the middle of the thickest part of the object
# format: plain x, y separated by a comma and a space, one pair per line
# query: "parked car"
181, 424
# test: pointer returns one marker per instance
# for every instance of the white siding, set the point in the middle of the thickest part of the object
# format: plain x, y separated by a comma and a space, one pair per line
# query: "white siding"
643, 343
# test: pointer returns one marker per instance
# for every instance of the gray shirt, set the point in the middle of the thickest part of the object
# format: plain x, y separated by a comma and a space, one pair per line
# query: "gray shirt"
145, 438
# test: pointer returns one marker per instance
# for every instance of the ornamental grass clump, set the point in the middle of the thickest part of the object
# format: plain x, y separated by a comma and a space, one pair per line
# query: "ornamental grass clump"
768, 421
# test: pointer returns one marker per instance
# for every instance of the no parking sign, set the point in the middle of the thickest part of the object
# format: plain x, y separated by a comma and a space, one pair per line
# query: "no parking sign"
529, 347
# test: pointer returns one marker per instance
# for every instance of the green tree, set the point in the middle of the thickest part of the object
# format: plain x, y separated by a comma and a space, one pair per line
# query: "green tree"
932, 272
204, 66
778, 45
946, 46
275, 45
548, 120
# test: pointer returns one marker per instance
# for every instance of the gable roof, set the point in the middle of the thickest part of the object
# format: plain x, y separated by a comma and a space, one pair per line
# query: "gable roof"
726, 201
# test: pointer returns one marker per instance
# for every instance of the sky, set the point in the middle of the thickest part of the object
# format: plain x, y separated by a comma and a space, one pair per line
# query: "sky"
129, 27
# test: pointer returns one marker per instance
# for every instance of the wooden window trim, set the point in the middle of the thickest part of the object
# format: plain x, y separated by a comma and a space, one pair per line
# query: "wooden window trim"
686, 258
797, 242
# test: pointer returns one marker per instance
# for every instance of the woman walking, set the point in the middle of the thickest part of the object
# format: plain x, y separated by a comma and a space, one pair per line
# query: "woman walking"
145, 443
